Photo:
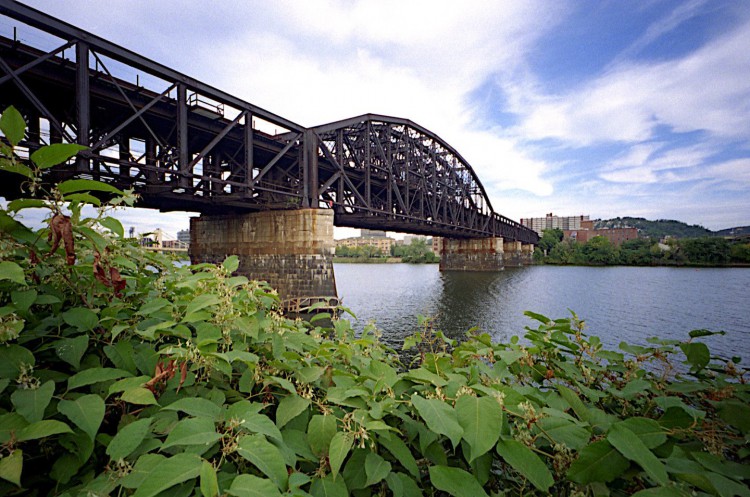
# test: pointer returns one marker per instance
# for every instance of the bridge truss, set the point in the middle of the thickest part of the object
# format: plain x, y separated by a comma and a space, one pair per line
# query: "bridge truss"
184, 145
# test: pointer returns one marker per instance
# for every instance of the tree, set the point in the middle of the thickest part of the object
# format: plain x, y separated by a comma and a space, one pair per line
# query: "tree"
637, 252
549, 239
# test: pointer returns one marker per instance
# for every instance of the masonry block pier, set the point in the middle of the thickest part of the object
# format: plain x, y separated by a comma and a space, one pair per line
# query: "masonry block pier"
290, 249
483, 254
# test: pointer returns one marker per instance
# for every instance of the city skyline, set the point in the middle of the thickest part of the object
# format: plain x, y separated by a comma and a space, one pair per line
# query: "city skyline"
599, 108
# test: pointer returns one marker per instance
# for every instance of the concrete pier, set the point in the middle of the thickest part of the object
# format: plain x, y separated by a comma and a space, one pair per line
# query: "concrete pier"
472, 254
290, 249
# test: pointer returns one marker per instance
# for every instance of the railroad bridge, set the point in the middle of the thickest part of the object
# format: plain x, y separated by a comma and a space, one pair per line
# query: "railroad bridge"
267, 189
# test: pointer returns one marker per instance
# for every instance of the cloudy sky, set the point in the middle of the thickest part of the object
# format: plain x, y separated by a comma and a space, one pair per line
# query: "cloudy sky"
604, 108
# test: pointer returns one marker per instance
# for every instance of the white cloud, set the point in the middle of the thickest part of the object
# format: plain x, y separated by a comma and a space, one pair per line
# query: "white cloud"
707, 90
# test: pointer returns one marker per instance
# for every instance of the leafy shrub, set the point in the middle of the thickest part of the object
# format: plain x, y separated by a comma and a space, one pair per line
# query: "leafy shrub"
122, 374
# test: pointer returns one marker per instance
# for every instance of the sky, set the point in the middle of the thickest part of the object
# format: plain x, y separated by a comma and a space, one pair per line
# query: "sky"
602, 108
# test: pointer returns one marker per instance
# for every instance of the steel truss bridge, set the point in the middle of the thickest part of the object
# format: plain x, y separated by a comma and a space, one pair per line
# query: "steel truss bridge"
184, 145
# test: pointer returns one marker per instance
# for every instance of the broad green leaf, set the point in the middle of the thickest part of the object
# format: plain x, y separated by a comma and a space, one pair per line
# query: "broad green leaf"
201, 302
128, 438
481, 419
403, 486
192, 431
309, 374
197, 407
252, 486
231, 263
82, 318
697, 354
54, 154
260, 423
95, 375
376, 468
597, 462
528, 464
422, 375
87, 185
10, 424
562, 430
320, 431
649, 431
168, 473
143, 467
297, 479
400, 451
113, 225
12, 271
12, 125
12, 359
661, 492
71, 350
439, 416
16, 167
289, 408
266, 457
737, 414
42, 429
727, 487
11, 467
456, 482
85, 412
153, 305
140, 396
82, 198
328, 487
630, 446
705, 333
341, 444
23, 299
25, 203
31, 403
209, 482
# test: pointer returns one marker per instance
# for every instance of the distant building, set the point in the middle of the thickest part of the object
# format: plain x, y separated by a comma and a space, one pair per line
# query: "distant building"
615, 235
184, 236
383, 244
550, 221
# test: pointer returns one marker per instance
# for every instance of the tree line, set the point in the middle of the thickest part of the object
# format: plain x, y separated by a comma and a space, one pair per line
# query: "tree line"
417, 252
700, 251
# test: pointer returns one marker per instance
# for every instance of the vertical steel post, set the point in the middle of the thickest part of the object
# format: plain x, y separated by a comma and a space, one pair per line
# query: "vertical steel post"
124, 148
83, 102
341, 158
249, 146
310, 169
183, 152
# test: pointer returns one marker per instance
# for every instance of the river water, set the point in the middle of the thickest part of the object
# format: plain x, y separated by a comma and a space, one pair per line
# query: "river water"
617, 303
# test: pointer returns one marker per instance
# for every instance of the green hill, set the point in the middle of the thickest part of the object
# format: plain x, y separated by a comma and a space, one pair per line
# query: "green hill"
655, 229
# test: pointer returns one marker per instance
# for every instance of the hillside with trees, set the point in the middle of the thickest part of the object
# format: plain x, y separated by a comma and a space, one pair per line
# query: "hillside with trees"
659, 229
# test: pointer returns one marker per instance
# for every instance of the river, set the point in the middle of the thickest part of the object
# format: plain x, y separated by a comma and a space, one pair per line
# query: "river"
617, 303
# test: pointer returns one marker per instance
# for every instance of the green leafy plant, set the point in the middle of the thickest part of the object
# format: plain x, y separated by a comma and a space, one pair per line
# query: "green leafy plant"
124, 374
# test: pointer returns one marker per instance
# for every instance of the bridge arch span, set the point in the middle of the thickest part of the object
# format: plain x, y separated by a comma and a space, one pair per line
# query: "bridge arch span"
386, 172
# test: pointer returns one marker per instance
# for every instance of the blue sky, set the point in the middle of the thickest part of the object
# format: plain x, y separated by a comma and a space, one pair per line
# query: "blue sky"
605, 108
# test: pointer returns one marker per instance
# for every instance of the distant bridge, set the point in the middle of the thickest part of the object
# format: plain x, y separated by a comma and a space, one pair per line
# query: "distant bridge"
185, 145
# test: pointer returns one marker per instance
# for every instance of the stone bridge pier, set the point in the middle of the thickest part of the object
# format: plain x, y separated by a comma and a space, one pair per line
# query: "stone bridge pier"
290, 249
483, 254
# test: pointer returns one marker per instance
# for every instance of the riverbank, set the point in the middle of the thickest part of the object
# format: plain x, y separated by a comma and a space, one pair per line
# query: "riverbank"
367, 260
